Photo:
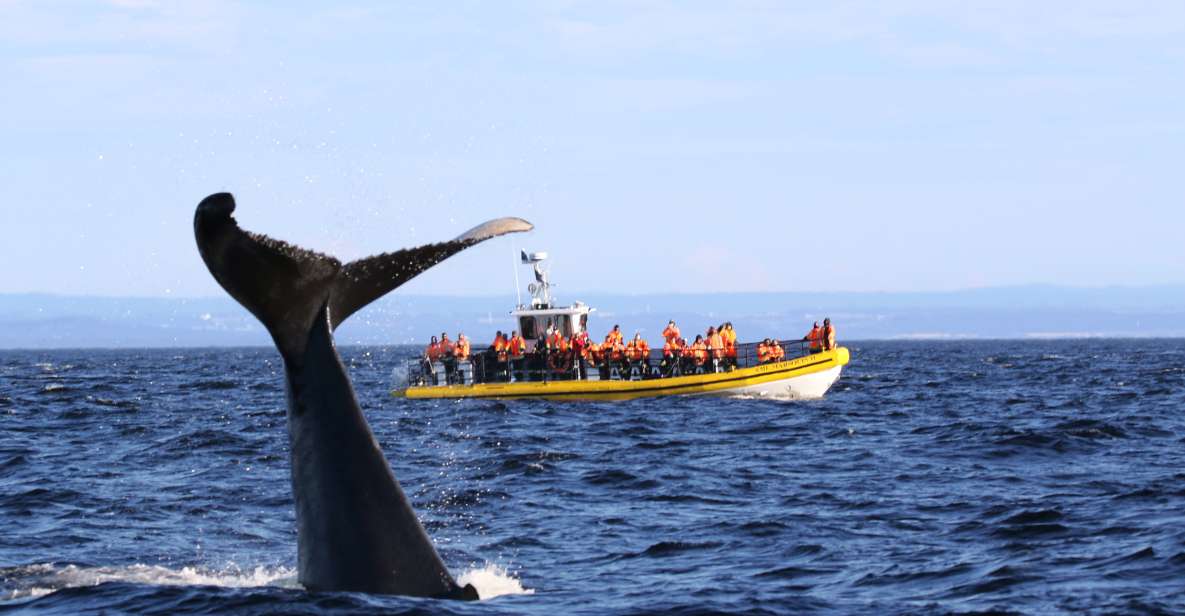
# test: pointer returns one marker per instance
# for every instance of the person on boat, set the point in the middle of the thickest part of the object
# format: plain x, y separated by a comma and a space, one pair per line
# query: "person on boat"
638, 353
431, 355
516, 348
446, 345
729, 335
776, 352
432, 352
612, 350
446, 353
815, 338
559, 356
579, 345
461, 348
715, 344
828, 335
671, 332
698, 354
498, 355
596, 356
763, 351
672, 353
614, 337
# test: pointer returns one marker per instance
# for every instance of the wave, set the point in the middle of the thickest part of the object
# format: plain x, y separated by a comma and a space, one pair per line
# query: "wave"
41, 579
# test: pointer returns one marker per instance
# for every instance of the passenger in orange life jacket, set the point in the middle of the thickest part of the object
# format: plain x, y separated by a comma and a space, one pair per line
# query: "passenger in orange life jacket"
671, 332
698, 351
715, 345
555, 340
672, 351
815, 338
432, 353
776, 352
516, 347
763, 351
579, 346
828, 335
446, 345
461, 349
498, 346
614, 337
730, 343
614, 347
639, 351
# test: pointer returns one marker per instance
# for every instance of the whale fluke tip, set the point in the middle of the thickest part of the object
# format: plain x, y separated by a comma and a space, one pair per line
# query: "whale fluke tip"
494, 228
221, 205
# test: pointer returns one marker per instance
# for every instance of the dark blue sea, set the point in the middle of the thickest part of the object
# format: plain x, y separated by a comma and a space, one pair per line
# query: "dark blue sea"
1034, 477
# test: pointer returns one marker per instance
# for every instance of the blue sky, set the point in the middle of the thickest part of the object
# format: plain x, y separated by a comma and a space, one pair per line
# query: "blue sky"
657, 146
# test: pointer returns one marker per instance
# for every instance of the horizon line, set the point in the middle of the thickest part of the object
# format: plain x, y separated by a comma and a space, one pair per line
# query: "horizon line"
1035, 285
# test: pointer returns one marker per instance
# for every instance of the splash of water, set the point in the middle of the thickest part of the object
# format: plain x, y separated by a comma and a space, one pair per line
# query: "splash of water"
493, 581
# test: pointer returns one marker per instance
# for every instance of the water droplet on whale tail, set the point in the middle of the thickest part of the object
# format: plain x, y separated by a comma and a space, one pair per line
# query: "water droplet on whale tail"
287, 287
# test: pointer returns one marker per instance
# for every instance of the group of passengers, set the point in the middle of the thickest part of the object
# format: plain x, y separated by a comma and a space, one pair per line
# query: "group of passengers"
573, 356
821, 338
446, 353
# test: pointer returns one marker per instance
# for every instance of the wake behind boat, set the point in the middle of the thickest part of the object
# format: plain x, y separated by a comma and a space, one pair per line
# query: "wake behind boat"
554, 359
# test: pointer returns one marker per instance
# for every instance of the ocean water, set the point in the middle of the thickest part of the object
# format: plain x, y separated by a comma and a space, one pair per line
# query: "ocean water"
1030, 477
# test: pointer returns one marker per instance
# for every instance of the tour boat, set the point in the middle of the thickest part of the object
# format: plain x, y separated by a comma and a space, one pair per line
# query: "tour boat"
801, 374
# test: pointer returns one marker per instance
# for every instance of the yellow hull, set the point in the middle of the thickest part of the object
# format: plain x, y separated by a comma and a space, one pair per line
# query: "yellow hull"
742, 381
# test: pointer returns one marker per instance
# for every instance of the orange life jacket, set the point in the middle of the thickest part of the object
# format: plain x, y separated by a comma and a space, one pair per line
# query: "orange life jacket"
432, 352
730, 342
777, 353
461, 350
815, 337
829, 337
699, 352
762, 353
671, 332
671, 348
517, 346
638, 350
716, 344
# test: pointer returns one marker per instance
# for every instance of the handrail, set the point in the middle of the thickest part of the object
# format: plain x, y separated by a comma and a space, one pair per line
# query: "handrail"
484, 366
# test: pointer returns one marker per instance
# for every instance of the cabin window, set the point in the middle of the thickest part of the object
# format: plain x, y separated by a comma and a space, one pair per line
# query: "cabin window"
526, 326
584, 322
564, 325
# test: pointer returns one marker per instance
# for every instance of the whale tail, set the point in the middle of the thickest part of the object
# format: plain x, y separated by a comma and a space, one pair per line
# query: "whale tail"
287, 287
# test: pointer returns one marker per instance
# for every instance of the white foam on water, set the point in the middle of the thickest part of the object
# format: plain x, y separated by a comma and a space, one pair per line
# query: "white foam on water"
493, 581
42, 579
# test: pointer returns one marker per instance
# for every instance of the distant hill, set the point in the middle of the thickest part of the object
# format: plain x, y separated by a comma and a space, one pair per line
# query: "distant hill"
55, 321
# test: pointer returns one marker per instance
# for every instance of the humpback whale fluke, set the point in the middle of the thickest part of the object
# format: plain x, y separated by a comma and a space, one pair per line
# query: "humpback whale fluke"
356, 530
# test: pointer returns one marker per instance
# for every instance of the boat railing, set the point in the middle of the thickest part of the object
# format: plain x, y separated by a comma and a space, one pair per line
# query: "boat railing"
485, 366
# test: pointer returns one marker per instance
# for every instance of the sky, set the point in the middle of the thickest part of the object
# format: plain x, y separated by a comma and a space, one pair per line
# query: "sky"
657, 146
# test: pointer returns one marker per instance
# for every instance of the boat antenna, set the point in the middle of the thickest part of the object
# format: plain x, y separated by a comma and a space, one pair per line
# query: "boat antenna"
518, 292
